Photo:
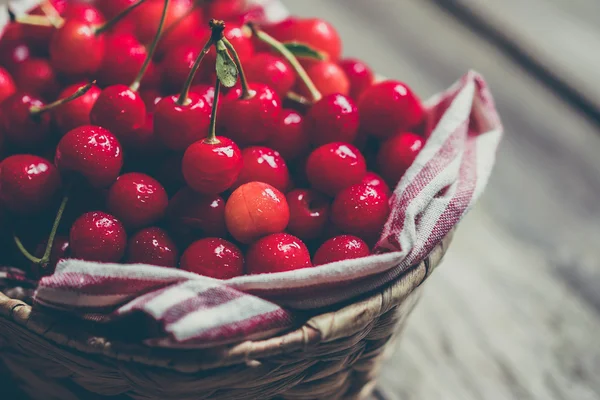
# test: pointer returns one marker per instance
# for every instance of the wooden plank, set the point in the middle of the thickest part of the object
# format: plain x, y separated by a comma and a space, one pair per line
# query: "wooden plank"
513, 312
558, 35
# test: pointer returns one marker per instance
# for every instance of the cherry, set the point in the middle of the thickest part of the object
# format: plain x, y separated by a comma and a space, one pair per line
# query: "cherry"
290, 139
328, 77
177, 62
262, 164
271, 70
137, 199
359, 74
179, 125
120, 108
36, 76
210, 167
372, 179
361, 210
123, 61
213, 257
77, 112
151, 98
388, 107
225, 9
76, 49
152, 246
148, 15
314, 32
309, 213
7, 85
192, 215
92, 152
83, 12
207, 92
397, 155
332, 119
190, 25
254, 210
280, 252
98, 236
28, 184
250, 120
18, 124
335, 166
339, 248
13, 54
60, 250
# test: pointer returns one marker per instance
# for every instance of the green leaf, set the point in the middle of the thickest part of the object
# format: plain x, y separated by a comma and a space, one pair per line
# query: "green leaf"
226, 69
304, 50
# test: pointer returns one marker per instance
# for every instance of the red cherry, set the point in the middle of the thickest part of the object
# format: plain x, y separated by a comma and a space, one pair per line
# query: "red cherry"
328, 77
190, 26
332, 119
280, 252
7, 85
339, 248
359, 74
262, 164
111, 8
372, 179
361, 210
119, 109
213, 257
225, 9
254, 210
152, 246
77, 112
28, 183
76, 49
37, 77
84, 12
13, 54
192, 215
19, 125
147, 17
39, 36
272, 71
98, 236
212, 168
309, 213
388, 107
250, 121
123, 61
92, 152
151, 98
335, 166
137, 199
177, 64
290, 139
315, 32
397, 154
176, 125
60, 250
207, 92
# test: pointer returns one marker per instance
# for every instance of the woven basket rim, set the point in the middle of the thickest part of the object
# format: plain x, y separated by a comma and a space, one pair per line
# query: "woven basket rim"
323, 328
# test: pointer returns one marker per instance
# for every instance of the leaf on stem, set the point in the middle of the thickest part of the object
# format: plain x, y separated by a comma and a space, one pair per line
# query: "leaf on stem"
304, 50
226, 69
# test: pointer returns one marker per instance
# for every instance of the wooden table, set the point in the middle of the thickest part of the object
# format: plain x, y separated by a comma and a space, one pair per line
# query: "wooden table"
514, 312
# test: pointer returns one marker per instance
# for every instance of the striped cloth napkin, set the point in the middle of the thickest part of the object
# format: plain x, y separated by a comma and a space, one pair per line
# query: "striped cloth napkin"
190, 311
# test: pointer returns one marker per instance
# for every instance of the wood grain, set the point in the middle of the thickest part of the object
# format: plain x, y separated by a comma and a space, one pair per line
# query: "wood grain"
514, 311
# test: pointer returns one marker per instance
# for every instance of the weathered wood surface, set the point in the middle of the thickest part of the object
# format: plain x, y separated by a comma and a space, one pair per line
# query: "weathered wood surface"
514, 312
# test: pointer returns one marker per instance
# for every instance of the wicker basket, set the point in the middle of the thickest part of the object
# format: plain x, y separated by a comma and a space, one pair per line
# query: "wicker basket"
335, 355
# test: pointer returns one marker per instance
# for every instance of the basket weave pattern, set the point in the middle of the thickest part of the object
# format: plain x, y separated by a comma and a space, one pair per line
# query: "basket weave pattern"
332, 356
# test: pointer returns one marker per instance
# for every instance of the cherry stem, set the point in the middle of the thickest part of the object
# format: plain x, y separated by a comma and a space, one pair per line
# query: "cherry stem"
35, 20
52, 13
138, 79
212, 133
289, 56
298, 98
247, 93
48, 252
35, 110
183, 96
109, 24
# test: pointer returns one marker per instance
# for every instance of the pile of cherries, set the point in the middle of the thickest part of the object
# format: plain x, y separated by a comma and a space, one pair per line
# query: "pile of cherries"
224, 149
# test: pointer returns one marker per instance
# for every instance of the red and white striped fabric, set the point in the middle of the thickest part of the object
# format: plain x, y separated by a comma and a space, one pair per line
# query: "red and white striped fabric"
447, 178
